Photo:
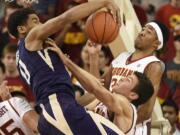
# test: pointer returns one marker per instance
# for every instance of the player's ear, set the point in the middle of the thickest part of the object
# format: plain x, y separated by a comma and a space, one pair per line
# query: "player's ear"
156, 44
21, 29
133, 96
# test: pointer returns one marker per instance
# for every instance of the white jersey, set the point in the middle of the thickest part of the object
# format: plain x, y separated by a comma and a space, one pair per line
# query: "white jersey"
11, 114
121, 69
131, 131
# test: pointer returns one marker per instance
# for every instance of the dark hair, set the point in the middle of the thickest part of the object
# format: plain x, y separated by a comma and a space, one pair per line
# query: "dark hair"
18, 94
2, 67
18, 18
164, 30
9, 48
144, 89
78, 88
170, 102
106, 51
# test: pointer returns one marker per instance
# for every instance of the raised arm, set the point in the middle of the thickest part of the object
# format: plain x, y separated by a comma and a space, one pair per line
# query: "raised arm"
90, 83
93, 51
145, 112
74, 14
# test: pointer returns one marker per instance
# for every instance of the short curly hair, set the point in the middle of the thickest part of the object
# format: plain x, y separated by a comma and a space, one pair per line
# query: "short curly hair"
18, 18
144, 89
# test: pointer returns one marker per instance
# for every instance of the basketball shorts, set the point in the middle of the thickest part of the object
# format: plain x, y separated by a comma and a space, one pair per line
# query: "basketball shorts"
61, 115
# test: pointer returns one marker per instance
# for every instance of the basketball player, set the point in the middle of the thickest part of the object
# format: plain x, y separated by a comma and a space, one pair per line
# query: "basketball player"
118, 101
14, 113
151, 38
47, 76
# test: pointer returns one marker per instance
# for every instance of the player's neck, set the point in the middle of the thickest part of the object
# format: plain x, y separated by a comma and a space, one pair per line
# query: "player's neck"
140, 54
12, 73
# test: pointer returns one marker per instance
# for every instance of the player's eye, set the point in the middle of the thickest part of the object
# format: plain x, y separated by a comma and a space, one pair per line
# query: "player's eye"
143, 28
35, 20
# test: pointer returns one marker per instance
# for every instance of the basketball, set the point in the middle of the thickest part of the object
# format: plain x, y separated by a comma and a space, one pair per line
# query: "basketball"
101, 28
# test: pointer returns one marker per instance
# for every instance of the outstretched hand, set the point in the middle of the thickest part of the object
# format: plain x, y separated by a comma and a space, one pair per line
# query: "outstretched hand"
92, 47
114, 10
53, 47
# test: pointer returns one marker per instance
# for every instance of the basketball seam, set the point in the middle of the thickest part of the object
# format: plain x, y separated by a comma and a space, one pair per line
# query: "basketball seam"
111, 34
104, 30
94, 29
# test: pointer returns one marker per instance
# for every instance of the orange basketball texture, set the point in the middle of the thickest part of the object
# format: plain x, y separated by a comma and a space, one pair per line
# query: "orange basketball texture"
101, 28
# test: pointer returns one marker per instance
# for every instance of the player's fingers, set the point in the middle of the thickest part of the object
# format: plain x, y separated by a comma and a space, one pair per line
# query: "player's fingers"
98, 46
67, 55
101, 81
52, 49
50, 42
118, 17
88, 43
91, 43
112, 12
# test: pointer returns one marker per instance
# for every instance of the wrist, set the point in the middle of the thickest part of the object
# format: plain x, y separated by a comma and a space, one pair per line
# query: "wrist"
95, 54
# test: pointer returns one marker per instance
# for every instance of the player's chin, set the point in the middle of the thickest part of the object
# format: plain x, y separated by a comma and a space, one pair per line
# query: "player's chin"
137, 45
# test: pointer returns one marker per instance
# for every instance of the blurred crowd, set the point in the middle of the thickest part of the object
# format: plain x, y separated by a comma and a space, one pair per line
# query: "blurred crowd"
73, 38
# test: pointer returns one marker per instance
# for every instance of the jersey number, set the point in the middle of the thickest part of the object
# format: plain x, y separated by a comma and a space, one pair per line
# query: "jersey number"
24, 72
113, 82
4, 129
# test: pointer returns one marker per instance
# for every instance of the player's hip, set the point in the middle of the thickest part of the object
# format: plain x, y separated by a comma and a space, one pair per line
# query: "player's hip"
63, 117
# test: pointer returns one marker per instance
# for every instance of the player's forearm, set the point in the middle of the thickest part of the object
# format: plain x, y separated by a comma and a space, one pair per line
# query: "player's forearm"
31, 120
85, 10
86, 99
88, 81
74, 14
144, 112
92, 85
94, 65
91, 106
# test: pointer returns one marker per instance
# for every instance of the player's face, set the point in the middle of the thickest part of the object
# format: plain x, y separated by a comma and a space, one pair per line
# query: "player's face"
33, 20
146, 38
170, 114
10, 62
125, 85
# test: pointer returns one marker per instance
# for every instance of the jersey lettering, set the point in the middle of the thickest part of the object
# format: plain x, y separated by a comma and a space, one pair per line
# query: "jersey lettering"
24, 72
3, 110
5, 128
